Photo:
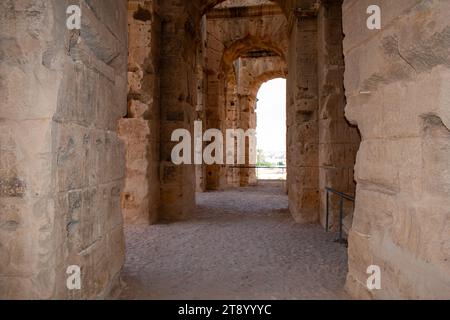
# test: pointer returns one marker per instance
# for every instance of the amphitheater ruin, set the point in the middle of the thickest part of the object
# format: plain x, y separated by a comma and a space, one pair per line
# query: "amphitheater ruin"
87, 177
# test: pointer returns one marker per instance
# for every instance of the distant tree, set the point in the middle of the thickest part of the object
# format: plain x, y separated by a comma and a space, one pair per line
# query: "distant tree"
265, 164
261, 157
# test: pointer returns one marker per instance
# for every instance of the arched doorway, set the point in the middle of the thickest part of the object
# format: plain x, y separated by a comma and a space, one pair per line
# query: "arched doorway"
271, 131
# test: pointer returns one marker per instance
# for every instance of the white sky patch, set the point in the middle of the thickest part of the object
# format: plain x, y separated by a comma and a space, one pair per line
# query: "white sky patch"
271, 116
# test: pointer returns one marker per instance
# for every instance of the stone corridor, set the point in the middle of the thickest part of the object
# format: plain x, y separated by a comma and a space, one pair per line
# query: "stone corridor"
88, 112
240, 244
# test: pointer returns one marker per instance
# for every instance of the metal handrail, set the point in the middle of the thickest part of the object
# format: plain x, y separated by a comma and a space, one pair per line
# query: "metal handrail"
284, 169
253, 167
343, 197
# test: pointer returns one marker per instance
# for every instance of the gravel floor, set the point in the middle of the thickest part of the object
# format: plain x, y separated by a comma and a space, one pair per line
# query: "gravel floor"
241, 244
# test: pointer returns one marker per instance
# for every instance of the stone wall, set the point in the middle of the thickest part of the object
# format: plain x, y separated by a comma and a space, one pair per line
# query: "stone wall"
302, 121
61, 161
338, 140
397, 86
140, 130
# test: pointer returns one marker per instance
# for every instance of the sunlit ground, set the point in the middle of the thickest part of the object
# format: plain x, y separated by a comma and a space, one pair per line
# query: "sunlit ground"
271, 173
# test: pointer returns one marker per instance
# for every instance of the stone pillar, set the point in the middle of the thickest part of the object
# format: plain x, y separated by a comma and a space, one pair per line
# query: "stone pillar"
302, 121
397, 82
200, 170
61, 177
232, 122
140, 129
178, 100
215, 119
247, 120
339, 141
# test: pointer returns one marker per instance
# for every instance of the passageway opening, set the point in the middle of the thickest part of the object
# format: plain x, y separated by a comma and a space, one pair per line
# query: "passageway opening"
271, 130
100, 109
242, 48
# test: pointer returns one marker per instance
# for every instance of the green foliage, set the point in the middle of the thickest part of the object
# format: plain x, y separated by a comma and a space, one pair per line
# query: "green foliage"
265, 164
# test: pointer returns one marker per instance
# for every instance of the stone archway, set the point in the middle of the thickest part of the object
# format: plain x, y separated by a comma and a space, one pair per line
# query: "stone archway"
61, 179
251, 75
253, 46
227, 41
287, 6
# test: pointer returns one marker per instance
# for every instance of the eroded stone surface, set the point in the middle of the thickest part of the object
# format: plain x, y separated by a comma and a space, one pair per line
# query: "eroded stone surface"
396, 95
59, 202
66, 176
140, 130
245, 46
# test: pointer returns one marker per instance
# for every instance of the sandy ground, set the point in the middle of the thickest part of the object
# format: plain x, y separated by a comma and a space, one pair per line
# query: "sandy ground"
271, 174
240, 244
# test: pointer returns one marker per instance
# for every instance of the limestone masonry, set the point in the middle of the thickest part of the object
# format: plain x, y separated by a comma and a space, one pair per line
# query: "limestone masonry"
87, 117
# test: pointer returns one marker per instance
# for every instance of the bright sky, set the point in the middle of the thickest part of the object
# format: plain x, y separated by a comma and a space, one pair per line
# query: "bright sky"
271, 116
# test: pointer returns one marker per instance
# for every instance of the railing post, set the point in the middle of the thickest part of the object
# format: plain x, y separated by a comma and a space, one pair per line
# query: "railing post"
342, 198
341, 218
328, 211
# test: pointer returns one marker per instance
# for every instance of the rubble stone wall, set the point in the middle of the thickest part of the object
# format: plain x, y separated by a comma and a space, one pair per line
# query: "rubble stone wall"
140, 129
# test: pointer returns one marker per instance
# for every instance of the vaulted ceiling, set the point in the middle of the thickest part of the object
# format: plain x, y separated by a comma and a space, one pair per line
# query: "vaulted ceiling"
286, 5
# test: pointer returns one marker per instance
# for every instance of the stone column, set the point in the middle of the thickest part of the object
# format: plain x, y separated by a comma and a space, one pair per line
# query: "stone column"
302, 121
215, 119
247, 120
232, 122
200, 170
178, 100
140, 129
339, 141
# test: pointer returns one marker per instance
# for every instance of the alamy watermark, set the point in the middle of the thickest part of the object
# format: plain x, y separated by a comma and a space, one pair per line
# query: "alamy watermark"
374, 281
74, 279
74, 19
229, 150
374, 20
